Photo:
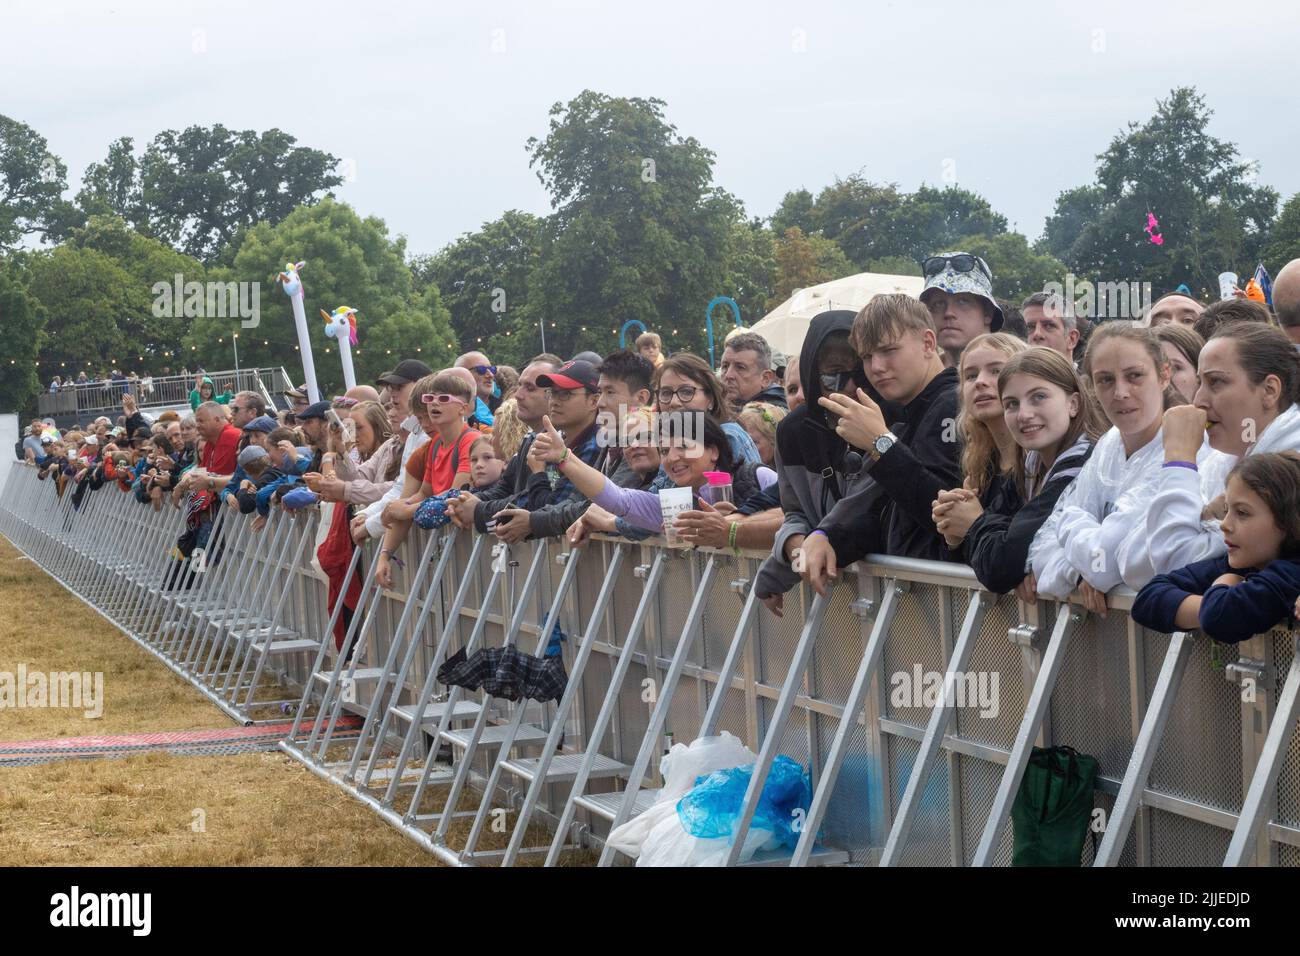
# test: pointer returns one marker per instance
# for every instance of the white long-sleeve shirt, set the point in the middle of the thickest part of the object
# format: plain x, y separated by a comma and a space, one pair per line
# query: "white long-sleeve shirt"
415, 437
1089, 529
1175, 534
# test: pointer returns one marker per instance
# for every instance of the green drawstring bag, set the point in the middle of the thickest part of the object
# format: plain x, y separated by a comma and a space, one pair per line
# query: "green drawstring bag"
1053, 808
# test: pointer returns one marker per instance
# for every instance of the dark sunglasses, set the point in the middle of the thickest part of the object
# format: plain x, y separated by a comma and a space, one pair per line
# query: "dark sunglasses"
834, 381
483, 369
963, 262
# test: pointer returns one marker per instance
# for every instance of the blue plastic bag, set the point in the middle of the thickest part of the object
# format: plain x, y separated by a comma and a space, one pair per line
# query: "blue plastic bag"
300, 497
712, 808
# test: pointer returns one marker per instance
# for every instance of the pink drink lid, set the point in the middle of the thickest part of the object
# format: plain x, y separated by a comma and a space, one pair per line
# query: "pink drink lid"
718, 477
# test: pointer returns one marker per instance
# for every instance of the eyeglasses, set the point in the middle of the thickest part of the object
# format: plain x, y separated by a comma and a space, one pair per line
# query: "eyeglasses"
483, 369
440, 398
563, 394
963, 262
684, 394
343, 401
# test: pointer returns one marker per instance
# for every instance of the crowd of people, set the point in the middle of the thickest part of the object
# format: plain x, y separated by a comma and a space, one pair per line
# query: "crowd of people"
1050, 453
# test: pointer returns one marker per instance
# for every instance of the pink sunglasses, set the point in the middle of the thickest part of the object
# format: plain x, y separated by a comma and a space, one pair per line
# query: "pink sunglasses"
440, 398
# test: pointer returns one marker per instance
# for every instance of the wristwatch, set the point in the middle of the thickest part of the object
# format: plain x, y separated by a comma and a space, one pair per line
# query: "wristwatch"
882, 445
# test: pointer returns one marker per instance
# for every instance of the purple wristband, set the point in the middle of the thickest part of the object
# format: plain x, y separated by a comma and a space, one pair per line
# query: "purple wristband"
816, 531
1181, 464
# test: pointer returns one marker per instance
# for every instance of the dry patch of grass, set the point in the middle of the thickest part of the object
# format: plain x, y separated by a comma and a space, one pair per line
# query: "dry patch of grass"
44, 627
258, 809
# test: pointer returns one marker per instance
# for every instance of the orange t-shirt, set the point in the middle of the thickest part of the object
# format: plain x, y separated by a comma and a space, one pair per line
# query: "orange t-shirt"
437, 459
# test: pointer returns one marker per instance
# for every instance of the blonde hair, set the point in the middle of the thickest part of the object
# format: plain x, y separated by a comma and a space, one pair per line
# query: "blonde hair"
1055, 369
979, 449
763, 417
508, 430
887, 317
649, 338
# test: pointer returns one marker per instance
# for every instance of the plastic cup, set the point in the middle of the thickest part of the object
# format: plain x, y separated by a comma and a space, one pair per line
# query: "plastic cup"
1227, 282
674, 501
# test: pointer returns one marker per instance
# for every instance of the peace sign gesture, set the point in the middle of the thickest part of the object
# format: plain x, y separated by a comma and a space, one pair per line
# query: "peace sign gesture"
860, 423
548, 445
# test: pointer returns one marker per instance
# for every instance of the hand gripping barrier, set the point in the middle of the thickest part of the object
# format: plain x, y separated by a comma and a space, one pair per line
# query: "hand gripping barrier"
913, 696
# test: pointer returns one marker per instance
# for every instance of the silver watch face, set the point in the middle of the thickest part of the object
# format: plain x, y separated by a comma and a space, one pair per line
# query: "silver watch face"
884, 443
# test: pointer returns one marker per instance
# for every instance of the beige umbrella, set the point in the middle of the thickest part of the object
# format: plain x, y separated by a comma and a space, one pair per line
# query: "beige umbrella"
786, 325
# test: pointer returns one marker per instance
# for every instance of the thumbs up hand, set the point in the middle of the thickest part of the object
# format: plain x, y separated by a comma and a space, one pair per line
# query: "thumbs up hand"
548, 445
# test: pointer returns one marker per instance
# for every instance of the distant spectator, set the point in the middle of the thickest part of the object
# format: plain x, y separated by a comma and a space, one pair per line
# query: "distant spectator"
205, 391
488, 398
651, 348
747, 373
1286, 299
1175, 307
1051, 323
509, 431
507, 379
760, 420
1182, 347
793, 385
1231, 310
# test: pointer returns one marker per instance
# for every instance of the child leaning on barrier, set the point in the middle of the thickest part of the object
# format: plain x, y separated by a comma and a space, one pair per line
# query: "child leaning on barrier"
288, 462
1253, 587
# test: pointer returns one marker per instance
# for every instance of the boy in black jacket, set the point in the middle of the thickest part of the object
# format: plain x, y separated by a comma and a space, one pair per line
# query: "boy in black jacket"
913, 459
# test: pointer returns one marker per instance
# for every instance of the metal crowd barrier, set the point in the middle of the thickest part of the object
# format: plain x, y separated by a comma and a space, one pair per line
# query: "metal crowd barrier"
84, 400
1199, 763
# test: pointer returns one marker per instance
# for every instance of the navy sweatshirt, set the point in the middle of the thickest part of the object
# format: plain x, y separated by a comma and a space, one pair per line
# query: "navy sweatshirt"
1229, 614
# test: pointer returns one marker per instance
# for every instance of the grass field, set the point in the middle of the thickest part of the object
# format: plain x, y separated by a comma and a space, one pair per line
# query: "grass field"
261, 809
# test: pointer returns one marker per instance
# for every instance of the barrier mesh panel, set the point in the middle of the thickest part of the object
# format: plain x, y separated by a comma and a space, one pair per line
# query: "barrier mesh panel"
1090, 705
1182, 841
1288, 781
979, 783
929, 843
1200, 756
913, 640
994, 689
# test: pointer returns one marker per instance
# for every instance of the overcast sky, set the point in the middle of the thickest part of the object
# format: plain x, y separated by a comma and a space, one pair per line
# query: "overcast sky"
431, 103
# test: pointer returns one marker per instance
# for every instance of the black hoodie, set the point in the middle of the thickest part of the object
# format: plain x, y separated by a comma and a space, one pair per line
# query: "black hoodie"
923, 462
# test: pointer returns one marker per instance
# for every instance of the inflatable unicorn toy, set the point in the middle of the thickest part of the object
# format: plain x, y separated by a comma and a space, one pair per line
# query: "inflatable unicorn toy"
341, 326
293, 289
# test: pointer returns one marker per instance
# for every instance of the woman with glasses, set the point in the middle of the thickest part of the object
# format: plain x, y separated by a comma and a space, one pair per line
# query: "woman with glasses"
686, 383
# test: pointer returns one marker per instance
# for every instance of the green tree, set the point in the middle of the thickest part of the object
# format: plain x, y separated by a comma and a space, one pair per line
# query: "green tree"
1017, 269
23, 321
200, 188
803, 261
638, 232
750, 270
483, 277
1284, 238
31, 181
1212, 214
152, 332
349, 261
84, 292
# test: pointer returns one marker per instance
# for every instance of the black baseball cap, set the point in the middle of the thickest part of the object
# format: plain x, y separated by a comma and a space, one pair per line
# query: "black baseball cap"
575, 373
318, 410
407, 371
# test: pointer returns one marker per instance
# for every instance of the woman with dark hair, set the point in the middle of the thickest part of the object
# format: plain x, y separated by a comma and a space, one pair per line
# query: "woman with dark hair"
685, 381
1254, 586
1246, 403
691, 444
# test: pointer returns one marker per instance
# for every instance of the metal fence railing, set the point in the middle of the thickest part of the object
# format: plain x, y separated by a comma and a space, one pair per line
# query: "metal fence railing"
1199, 763
91, 399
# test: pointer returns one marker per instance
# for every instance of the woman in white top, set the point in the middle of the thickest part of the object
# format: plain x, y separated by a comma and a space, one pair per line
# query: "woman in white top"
1245, 403
1097, 517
